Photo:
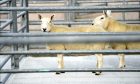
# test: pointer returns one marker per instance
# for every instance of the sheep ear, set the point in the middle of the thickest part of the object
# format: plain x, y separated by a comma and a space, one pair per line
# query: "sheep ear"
92, 22
105, 13
39, 16
108, 12
52, 17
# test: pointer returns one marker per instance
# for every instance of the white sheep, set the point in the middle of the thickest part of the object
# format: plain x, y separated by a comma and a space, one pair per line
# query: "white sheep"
47, 26
112, 25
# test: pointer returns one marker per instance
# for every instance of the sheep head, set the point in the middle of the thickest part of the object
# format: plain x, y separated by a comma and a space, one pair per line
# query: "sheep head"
103, 19
46, 23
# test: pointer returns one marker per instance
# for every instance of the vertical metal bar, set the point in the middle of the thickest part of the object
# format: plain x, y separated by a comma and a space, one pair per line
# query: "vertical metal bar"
26, 17
139, 11
76, 4
106, 3
66, 14
6, 60
70, 16
13, 28
123, 14
22, 21
6, 77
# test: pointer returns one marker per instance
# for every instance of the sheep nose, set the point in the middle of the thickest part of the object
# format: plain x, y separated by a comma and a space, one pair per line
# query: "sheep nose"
44, 29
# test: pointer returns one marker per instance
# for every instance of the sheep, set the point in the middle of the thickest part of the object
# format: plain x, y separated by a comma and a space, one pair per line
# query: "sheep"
47, 26
112, 25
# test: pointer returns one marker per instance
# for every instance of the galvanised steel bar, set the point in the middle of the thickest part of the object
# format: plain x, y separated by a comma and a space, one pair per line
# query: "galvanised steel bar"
39, 52
4, 12
20, 14
5, 24
22, 28
5, 78
81, 1
4, 1
94, 11
8, 75
45, 1
30, 38
139, 11
26, 16
13, 28
26, 22
72, 9
68, 70
44, 34
62, 22
70, 16
5, 61
104, 1
4, 20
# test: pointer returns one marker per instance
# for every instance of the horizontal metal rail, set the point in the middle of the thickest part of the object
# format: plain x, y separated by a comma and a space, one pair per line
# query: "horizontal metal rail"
27, 38
3, 20
82, 1
72, 9
42, 2
38, 52
105, 1
44, 34
5, 24
93, 11
4, 12
62, 22
4, 1
67, 70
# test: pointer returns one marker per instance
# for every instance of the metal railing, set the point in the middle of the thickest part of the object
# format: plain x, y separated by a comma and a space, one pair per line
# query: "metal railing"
71, 9
30, 38
68, 70
12, 22
25, 37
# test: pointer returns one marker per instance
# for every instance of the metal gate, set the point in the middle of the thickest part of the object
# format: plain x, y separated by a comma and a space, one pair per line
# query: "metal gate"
20, 37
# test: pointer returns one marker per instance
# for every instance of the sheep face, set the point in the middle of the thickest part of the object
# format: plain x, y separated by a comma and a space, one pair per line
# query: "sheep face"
103, 19
100, 20
45, 23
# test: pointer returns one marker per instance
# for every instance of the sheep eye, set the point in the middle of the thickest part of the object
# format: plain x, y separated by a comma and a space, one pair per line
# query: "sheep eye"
102, 18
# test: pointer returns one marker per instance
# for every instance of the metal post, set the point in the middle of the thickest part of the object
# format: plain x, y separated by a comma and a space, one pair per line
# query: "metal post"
13, 28
139, 11
124, 12
70, 16
26, 19
22, 22
106, 3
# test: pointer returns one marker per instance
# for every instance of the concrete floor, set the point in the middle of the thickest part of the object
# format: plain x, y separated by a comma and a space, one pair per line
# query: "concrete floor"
79, 77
